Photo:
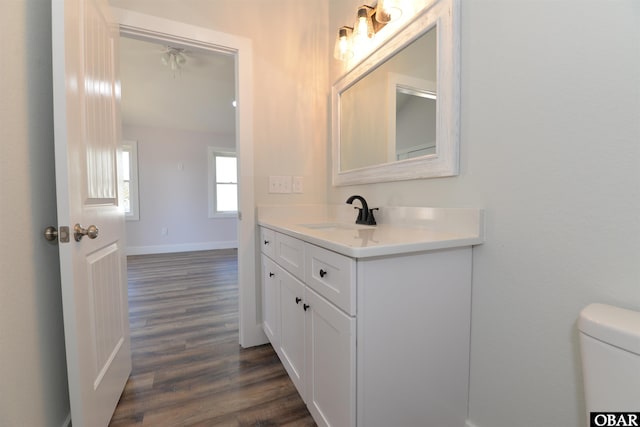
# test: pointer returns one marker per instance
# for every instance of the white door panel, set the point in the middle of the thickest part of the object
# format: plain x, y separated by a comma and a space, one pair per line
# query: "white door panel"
94, 283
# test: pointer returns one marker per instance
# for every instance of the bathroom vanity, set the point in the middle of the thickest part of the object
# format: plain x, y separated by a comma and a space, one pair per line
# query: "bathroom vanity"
372, 323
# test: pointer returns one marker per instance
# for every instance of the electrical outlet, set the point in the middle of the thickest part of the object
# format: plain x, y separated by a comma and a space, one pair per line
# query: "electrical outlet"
297, 184
164, 231
286, 184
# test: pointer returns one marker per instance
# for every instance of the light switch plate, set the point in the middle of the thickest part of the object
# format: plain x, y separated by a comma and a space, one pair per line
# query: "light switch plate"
279, 184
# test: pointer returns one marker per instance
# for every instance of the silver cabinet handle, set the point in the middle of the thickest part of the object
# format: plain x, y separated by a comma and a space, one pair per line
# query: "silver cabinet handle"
78, 232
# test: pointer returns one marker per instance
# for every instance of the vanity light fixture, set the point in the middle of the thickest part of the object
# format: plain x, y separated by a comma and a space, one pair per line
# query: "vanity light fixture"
369, 20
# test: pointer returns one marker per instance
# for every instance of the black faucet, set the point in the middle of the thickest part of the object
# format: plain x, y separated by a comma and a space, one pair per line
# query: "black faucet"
365, 215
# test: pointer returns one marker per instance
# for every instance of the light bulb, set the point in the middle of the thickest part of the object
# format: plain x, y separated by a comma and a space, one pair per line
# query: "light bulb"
388, 11
362, 32
364, 26
343, 48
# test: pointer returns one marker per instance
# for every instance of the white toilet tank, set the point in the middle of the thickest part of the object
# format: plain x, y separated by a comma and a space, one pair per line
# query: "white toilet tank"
610, 348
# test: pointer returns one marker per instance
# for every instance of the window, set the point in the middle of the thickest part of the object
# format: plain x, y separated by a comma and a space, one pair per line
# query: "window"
223, 183
129, 160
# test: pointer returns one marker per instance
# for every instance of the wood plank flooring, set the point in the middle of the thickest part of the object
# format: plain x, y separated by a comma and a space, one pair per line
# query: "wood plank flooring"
188, 369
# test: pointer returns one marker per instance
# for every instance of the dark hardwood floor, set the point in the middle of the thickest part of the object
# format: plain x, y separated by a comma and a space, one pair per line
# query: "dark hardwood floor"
188, 369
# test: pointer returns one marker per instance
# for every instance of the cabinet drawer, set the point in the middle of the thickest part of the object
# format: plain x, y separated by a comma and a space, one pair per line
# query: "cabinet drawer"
267, 242
289, 253
333, 276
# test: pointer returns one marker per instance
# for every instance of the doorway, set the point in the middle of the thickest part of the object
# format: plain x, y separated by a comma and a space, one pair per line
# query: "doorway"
166, 32
178, 121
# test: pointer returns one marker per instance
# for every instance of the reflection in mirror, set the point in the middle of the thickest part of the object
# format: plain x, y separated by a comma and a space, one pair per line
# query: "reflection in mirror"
368, 130
396, 113
415, 117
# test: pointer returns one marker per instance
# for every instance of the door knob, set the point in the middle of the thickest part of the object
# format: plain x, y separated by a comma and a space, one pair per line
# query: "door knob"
51, 233
78, 232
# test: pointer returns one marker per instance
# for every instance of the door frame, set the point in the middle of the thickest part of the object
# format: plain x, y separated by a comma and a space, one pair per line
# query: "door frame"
155, 29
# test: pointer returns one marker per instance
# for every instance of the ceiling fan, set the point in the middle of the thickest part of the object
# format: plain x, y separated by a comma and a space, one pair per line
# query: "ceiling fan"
174, 58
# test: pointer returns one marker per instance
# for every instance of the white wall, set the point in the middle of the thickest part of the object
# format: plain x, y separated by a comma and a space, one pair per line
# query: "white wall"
291, 85
33, 382
173, 188
550, 148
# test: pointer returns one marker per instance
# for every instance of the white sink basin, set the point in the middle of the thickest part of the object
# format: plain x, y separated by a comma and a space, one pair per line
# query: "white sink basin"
332, 226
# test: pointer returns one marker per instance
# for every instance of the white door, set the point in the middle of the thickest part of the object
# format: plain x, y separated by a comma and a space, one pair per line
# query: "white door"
93, 270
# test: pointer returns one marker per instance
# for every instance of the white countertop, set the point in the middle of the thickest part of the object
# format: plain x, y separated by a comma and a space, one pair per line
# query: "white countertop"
399, 230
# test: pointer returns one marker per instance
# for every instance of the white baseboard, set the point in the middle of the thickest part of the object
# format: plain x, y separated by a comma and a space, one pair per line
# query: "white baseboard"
469, 424
184, 247
67, 422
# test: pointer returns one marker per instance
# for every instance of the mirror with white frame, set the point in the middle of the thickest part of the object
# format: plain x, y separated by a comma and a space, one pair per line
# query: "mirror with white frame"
396, 114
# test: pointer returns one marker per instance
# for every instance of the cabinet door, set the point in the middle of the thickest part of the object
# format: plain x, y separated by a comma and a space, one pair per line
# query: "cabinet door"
292, 328
271, 276
330, 363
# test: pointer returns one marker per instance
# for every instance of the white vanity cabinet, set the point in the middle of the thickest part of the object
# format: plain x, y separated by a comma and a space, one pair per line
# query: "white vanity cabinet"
314, 339
413, 329
371, 341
